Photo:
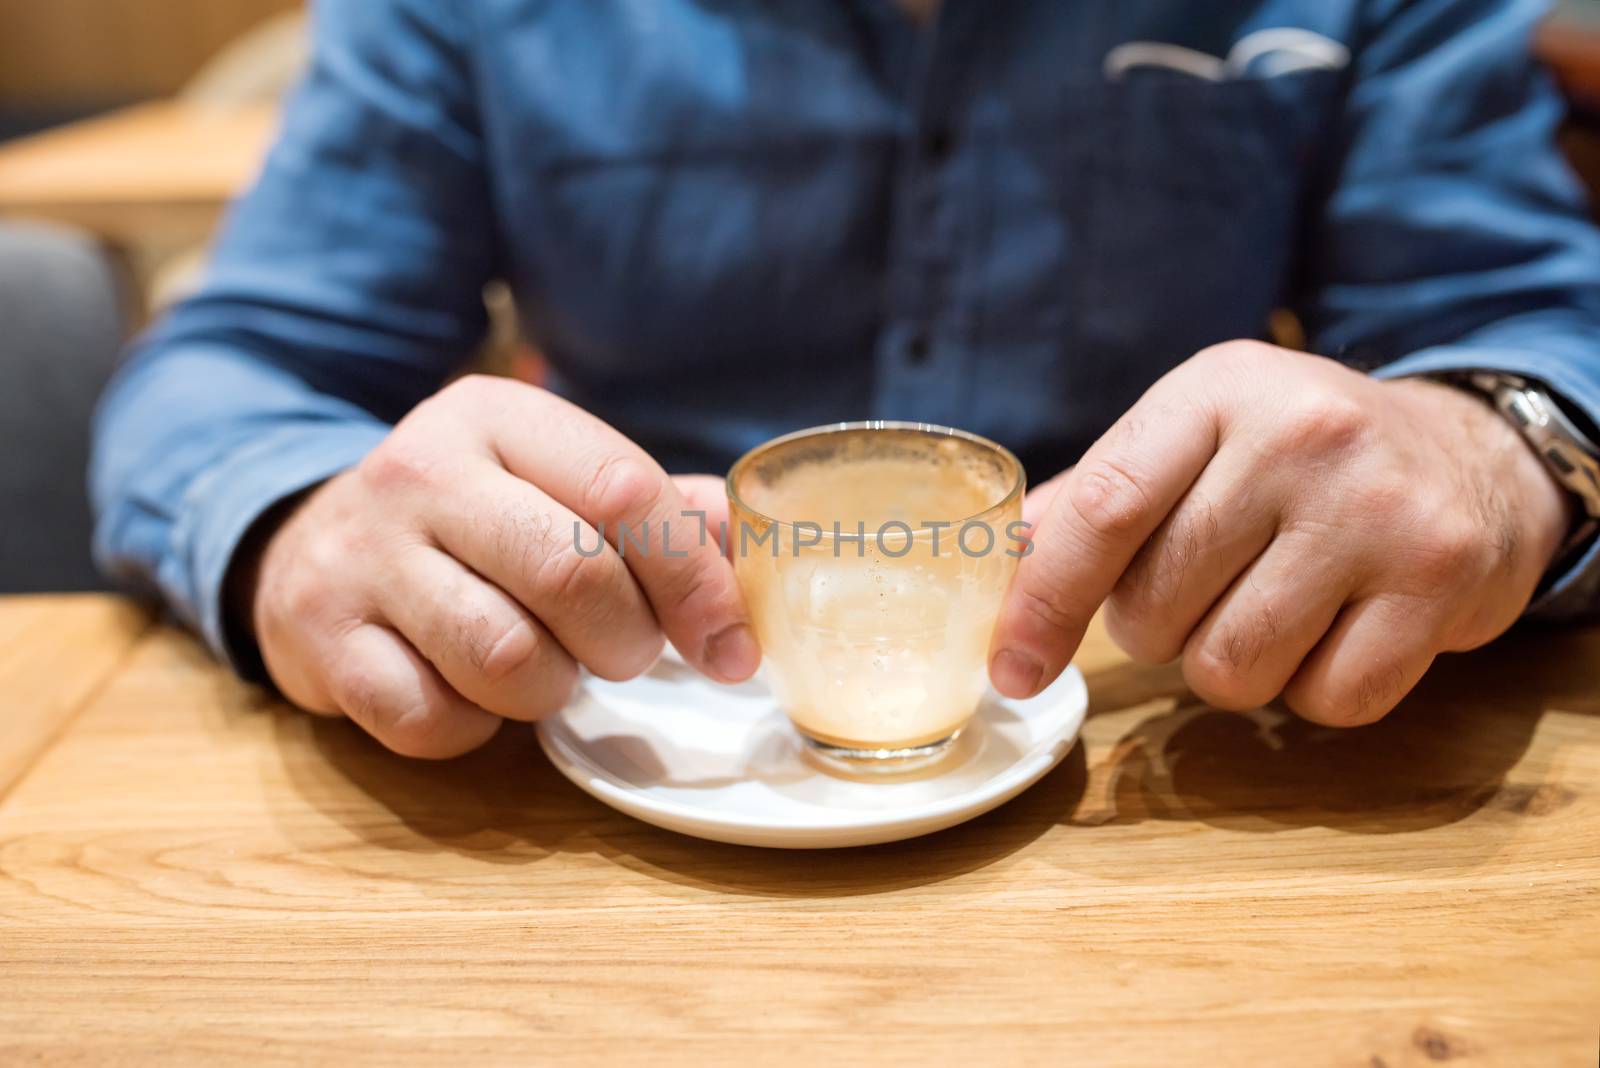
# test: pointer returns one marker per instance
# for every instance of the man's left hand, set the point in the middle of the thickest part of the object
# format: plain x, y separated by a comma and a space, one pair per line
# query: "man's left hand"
1287, 526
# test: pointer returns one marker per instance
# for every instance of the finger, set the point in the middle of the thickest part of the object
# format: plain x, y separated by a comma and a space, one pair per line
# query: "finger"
1373, 655
386, 687
296, 616
708, 494
1213, 534
1037, 502
553, 563
486, 645
1254, 639
292, 655
1108, 505
612, 484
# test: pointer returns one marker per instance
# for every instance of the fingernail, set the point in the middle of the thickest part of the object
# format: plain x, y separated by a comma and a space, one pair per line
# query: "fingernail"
733, 653
1015, 674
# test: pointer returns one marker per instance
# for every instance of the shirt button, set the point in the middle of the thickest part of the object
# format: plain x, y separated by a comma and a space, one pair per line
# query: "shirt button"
937, 143
917, 349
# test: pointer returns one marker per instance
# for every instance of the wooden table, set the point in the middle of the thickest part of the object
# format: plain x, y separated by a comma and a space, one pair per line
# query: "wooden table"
192, 873
161, 171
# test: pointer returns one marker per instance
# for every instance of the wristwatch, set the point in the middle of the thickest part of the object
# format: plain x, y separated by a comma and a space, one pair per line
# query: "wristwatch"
1572, 458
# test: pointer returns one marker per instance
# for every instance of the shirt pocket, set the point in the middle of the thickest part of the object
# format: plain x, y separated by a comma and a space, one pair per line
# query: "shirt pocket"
1192, 208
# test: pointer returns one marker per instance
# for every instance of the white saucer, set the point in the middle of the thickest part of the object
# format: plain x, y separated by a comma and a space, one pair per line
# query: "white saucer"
722, 762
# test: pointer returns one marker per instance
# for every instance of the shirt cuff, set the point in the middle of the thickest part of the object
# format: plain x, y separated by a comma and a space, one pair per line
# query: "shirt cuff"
1576, 589
222, 505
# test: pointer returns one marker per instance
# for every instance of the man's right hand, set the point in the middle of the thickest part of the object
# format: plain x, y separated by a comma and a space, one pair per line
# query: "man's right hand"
436, 588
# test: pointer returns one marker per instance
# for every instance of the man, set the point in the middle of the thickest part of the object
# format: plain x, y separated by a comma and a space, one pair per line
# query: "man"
1048, 222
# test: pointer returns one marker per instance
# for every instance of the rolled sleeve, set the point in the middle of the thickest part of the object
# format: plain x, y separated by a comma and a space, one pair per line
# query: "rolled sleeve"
1453, 236
345, 288
196, 445
222, 505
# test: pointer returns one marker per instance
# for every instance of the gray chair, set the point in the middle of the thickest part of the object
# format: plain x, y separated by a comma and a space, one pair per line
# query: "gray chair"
62, 321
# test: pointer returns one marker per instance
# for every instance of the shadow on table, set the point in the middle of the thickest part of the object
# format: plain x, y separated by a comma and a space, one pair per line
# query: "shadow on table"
506, 804
1439, 757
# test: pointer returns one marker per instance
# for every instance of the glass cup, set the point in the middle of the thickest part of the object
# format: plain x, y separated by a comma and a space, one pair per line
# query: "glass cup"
874, 557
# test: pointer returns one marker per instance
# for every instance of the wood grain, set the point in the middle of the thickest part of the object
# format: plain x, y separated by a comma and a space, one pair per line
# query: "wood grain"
196, 874
54, 652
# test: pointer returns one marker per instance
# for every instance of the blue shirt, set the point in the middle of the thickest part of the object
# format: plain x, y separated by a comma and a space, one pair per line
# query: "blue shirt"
724, 221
